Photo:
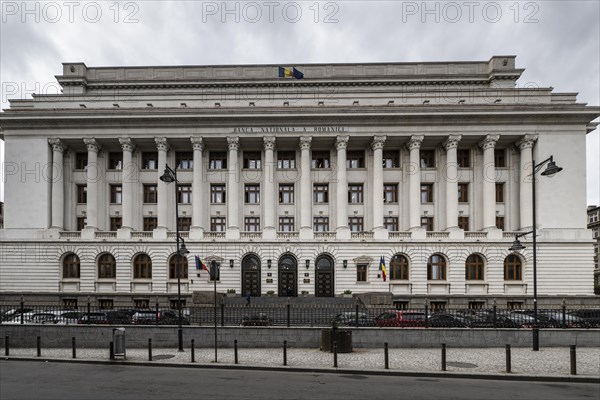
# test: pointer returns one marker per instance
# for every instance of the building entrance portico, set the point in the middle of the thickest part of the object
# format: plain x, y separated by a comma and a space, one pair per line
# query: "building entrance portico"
324, 276
288, 276
251, 275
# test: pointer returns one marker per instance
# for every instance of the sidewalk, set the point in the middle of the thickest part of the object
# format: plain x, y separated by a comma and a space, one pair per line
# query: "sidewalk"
548, 362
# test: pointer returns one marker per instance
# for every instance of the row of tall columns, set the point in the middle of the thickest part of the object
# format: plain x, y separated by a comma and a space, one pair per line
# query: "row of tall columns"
305, 188
379, 232
489, 181
93, 175
525, 187
129, 177
58, 191
342, 231
233, 196
197, 192
414, 182
269, 228
451, 177
162, 197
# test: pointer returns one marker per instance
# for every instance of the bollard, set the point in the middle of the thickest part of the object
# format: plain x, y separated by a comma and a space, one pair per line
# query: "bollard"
285, 352
74, 348
149, 349
573, 360
193, 352
335, 363
6, 346
39, 346
508, 359
111, 351
443, 356
385, 356
235, 352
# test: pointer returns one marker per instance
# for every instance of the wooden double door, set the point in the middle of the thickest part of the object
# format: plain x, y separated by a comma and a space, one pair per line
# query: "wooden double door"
251, 276
324, 282
288, 276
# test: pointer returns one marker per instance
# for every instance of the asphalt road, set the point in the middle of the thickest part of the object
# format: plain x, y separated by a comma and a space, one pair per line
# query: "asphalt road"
47, 380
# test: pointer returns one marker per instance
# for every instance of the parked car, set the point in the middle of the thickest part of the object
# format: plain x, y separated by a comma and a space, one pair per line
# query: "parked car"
106, 317
401, 318
42, 318
590, 315
165, 317
68, 317
349, 319
14, 312
485, 319
260, 319
555, 318
15, 319
443, 320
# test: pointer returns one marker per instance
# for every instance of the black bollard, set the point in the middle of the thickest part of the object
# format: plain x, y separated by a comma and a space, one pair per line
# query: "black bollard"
6, 346
74, 348
285, 352
443, 356
573, 360
385, 356
335, 363
149, 349
193, 352
111, 351
39, 346
508, 359
235, 352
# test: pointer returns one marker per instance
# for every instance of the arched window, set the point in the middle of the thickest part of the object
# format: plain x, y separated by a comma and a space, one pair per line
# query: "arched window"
399, 267
513, 268
71, 266
107, 267
180, 262
474, 268
142, 267
436, 268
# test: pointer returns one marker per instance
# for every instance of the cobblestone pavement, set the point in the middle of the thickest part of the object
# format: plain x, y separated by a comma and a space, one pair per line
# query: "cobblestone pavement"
546, 362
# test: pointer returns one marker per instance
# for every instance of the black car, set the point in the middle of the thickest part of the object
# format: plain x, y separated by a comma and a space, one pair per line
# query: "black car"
163, 317
349, 319
256, 320
106, 317
442, 320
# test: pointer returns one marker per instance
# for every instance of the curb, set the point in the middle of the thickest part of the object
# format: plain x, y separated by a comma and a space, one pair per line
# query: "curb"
458, 375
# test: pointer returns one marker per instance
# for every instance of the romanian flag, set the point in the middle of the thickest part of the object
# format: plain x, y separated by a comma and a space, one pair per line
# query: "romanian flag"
382, 268
200, 264
290, 73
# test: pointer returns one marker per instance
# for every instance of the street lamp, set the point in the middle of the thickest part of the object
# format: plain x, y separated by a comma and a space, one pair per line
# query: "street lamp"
169, 176
551, 170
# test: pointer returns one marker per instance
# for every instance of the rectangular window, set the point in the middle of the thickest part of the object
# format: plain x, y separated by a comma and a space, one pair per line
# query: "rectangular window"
361, 273
499, 192
150, 194
141, 303
463, 223
184, 160
82, 194
463, 192
355, 159
286, 159
174, 303
321, 224
252, 224
217, 193
115, 194
81, 160
463, 158
390, 192
286, 224
115, 223
81, 223
500, 223
150, 223
390, 223
391, 159
69, 303
320, 160
184, 194
217, 160
355, 193
426, 193
427, 158
427, 223
514, 305
252, 194
286, 193
355, 224
476, 305
150, 160
437, 306
252, 160
184, 223
499, 158
115, 160
105, 304
321, 193
217, 224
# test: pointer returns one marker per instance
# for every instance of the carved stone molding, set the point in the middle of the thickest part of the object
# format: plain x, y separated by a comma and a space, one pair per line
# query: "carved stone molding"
415, 142
305, 142
341, 142
127, 144
451, 142
526, 142
197, 143
378, 142
233, 142
57, 145
92, 145
269, 142
489, 142
162, 144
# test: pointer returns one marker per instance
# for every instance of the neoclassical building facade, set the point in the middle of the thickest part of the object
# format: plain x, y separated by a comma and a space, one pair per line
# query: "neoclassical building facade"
295, 186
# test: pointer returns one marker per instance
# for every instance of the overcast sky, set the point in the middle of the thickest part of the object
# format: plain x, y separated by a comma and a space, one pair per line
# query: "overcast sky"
558, 43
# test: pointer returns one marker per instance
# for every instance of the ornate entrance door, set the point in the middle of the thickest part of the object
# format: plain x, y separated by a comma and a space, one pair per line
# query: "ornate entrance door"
324, 277
251, 275
288, 273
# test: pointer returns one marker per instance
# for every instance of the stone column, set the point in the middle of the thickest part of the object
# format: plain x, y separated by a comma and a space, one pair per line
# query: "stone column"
163, 192
379, 232
489, 181
525, 177
58, 189
306, 229
414, 182
93, 175
233, 195
269, 230
198, 195
451, 177
342, 231
129, 178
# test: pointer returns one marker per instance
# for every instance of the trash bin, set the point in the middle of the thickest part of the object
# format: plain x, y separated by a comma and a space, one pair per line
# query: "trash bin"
119, 342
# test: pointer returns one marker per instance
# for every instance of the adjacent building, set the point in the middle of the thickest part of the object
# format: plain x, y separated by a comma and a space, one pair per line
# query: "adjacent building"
296, 185
1, 215
593, 213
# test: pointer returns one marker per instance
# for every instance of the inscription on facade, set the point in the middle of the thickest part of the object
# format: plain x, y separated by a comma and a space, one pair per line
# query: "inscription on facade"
291, 129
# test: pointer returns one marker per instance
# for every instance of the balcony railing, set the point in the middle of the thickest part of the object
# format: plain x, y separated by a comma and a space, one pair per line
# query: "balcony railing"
106, 235
399, 235
438, 235
510, 235
288, 235
141, 235
70, 235
183, 234
476, 235
214, 235
361, 235
251, 235
324, 235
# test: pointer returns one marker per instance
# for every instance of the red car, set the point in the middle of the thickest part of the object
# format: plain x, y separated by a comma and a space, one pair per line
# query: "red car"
401, 319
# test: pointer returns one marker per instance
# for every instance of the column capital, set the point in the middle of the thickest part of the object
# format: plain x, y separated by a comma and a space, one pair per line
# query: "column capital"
305, 142
526, 142
197, 143
161, 143
127, 144
233, 142
92, 144
415, 142
489, 142
378, 142
269, 142
57, 145
451, 142
341, 142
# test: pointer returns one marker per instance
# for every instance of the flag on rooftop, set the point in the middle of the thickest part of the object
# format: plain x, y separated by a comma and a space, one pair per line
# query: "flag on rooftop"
290, 73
